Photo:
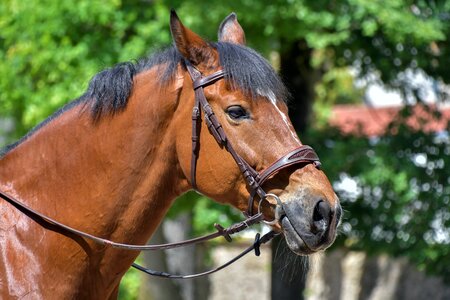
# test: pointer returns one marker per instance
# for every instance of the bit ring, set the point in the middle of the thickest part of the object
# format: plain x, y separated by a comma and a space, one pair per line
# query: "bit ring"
278, 208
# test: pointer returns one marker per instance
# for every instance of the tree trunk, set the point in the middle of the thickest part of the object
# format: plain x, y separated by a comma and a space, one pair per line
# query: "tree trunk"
300, 77
152, 287
186, 260
289, 271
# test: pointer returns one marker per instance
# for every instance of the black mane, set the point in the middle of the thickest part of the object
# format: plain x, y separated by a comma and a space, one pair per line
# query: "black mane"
248, 71
109, 90
245, 70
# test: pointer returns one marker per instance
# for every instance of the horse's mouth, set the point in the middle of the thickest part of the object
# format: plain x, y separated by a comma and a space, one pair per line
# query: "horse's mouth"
294, 239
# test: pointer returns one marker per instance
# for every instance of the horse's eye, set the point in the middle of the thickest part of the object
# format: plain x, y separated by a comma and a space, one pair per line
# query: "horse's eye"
236, 112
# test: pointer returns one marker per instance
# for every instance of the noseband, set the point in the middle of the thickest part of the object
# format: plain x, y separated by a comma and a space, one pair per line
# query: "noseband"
300, 155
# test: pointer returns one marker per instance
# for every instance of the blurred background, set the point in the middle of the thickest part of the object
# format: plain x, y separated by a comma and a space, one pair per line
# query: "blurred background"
370, 92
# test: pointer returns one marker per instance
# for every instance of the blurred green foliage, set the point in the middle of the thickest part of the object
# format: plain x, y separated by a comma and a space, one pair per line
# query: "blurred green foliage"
394, 189
129, 286
50, 49
337, 86
205, 212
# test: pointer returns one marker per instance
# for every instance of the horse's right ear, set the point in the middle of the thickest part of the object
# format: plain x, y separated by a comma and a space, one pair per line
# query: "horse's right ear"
188, 43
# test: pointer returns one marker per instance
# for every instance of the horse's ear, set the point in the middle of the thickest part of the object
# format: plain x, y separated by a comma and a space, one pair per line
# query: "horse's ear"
231, 31
188, 43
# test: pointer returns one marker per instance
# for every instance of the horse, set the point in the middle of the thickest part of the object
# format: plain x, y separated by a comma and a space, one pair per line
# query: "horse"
112, 162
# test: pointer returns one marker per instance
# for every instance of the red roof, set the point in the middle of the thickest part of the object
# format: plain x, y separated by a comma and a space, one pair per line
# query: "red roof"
358, 119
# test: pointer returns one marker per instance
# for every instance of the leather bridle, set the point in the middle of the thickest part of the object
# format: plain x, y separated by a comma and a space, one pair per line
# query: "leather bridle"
254, 179
301, 155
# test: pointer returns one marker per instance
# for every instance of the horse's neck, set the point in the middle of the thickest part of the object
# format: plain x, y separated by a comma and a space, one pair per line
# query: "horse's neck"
77, 164
115, 178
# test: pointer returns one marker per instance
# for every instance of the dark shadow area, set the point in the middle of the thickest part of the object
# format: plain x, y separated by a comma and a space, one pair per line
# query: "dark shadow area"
369, 277
289, 272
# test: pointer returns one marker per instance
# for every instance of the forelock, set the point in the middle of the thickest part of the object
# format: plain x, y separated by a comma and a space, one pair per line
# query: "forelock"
247, 70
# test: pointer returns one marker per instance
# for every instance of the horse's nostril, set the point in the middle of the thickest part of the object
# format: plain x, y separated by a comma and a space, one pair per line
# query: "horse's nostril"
321, 217
321, 211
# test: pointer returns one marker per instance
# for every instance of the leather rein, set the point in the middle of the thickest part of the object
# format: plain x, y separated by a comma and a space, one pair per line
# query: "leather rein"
301, 155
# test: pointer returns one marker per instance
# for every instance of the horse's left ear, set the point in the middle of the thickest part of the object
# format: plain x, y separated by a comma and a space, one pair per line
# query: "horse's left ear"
231, 31
188, 43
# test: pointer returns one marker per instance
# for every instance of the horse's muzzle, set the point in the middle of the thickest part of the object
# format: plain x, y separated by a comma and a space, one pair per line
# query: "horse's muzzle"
310, 225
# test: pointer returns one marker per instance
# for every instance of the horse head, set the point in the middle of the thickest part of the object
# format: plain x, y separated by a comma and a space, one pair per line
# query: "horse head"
250, 109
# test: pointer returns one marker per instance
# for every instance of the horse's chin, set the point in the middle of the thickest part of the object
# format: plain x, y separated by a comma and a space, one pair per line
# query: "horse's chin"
294, 239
